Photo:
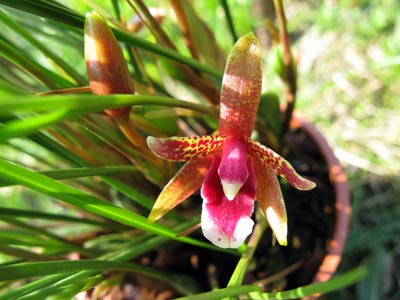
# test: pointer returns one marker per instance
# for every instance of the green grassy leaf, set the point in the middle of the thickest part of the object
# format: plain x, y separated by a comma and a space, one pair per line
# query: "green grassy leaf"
22, 60
221, 293
134, 248
129, 191
84, 103
20, 127
59, 13
70, 106
32, 287
27, 234
254, 293
18, 252
48, 53
89, 203
336, 283
31, 214
34, 269
82, 172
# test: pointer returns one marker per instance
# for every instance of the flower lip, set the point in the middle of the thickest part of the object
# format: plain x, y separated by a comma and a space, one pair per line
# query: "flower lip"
227, 223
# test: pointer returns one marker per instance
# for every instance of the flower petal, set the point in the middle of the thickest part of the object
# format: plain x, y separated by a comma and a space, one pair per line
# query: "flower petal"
184, 148
180, 187
281, 166
233, 167
227, 223
241, 88
270, 198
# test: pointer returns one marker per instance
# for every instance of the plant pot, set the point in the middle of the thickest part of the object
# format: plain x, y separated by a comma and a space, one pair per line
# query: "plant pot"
339, 182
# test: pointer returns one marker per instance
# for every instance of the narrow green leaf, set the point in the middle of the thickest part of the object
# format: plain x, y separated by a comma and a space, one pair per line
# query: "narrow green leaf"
136, 248
85, 103
59, 13
221, 293
59, 292
58, 149
50, 9
34, 269
23, 238
42, 234
30, 214
17, 28
18, 252
20, 58
89, 203
82, 172
129, 191
20, 127
73, 105
339, 282
32, 287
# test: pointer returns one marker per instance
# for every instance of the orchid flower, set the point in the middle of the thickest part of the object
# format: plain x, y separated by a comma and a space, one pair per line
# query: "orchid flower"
232, 169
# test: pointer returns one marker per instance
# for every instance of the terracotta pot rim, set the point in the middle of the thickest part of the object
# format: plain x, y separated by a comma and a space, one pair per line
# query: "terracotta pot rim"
338, 179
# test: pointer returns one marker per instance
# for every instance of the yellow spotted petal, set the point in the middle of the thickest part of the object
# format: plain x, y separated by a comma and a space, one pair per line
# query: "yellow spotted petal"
281, 166
185, 148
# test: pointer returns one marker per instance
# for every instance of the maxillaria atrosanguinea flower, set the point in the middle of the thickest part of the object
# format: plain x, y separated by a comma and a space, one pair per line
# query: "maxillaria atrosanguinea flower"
231, 169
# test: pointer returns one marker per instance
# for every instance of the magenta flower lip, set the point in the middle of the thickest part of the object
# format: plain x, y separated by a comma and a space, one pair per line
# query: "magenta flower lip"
231, 169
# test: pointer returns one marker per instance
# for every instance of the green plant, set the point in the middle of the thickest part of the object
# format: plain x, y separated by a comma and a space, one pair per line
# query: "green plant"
97, 174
